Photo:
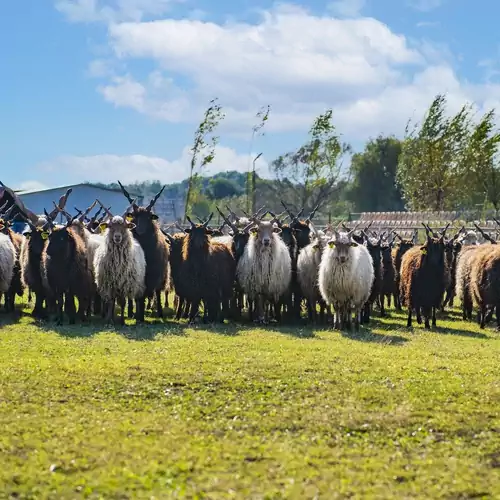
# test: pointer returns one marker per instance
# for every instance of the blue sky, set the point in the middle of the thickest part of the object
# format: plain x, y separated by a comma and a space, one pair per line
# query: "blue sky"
104, 89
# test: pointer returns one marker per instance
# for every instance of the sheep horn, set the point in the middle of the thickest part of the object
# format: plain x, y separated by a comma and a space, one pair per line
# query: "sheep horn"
289, 212
106, 210
155, 199
236, 218
132, 204
125, 192
227, 221
313, 213
205, 224
17, 200
351, 232
193, 225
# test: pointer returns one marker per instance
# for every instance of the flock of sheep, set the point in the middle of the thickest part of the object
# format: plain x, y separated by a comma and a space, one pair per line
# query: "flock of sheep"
264, 264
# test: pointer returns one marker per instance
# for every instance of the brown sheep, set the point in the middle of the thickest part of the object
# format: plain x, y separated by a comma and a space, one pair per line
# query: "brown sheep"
423, 279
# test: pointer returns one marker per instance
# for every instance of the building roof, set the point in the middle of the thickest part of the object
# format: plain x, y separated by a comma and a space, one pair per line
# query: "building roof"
87, 184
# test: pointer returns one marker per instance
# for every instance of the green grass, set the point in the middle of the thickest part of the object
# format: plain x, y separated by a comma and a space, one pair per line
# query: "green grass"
167, 411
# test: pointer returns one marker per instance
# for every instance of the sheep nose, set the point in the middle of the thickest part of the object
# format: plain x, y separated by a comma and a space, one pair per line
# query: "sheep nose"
266, 243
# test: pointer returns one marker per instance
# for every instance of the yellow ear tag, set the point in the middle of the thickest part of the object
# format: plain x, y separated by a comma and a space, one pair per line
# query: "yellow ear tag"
130, 218
331, 244
424, 251
45, 236
103, 227
2, 226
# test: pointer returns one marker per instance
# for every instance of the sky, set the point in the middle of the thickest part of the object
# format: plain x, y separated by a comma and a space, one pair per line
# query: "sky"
100, 90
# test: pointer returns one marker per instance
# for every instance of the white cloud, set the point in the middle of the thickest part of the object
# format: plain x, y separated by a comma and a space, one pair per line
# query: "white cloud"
109, 168
301, 64
347, 8
31, 186
425, 5
89, 11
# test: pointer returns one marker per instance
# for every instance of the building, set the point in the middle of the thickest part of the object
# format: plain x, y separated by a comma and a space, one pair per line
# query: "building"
82, 196
169, 209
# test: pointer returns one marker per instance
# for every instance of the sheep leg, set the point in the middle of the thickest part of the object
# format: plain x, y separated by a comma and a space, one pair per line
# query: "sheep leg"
497, 310
357, 315
60, 309
180, 308
97, 304
408, 321
70, 308
382, 305
195, 306
166, 300
434, 323
84, 312
419, 315
38, 311
426, 313
159, 309
140, 305
130, 312
259, 310
482, 316
388, 300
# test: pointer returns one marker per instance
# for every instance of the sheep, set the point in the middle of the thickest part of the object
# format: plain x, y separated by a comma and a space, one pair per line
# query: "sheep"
465, 261
307, 273
485, 281
175, 259
264, 271
206, 272
388, 273
302, 232
7, 262
345, 277
148, 233
16, 286
65, 267
423, 279
374, 248
397, 253
119, 265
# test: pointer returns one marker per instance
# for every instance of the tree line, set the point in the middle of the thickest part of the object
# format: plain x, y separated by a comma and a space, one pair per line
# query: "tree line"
445, 162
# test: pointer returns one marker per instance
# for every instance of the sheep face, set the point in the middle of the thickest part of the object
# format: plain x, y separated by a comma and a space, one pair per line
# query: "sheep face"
37, 237
59, 242
117, 227
341, 243
264, 233
240, 241
386, 254
433, 251
288, 236
144, 220
198, 236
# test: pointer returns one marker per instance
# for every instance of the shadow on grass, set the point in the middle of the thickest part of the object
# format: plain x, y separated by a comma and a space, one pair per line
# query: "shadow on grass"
366, 335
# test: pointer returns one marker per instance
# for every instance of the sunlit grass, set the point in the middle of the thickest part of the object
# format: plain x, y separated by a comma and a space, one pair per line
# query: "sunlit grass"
169, 411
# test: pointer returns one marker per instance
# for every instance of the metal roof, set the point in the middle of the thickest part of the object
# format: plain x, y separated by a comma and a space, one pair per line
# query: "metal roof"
87, 184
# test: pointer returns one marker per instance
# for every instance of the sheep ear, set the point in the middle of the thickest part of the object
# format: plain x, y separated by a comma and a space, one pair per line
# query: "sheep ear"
103, 226
277, 230
423, 250
353, 244
154, 217
131, 225
254, 230
209, 231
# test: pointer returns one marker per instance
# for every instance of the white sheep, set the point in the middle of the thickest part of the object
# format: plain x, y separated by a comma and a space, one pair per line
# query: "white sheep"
119, 266
345, 277
7, 262
264, 271
307, 273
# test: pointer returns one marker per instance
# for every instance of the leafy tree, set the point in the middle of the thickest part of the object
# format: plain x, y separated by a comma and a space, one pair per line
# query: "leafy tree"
431, 161
481, 182
203, 152
221, 187
373, 171
311, 173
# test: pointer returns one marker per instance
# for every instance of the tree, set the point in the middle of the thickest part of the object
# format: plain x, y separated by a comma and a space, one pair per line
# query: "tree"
257, 130
203, 152
481, 182
311, 173
431, 161
220, 188
373, 172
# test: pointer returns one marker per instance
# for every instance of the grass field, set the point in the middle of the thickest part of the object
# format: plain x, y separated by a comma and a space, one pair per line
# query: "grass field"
166, 411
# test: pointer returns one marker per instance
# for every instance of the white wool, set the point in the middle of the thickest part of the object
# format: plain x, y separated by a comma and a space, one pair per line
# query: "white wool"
265, 270
350, 282
307, 269
225, 240
120, 269
7, 262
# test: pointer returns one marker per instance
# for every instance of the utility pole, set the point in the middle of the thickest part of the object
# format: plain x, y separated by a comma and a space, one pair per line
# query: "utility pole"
254, 184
